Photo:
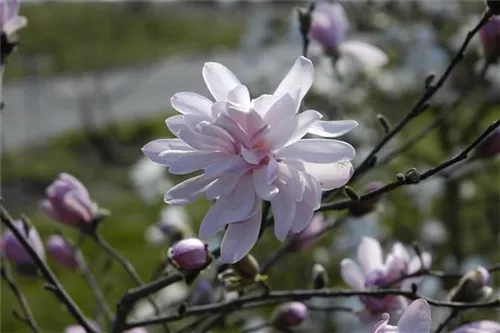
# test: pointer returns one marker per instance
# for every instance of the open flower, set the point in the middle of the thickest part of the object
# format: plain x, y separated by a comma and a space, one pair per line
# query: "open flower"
377, 273
415, 319
69, 202
329, 28
252, 150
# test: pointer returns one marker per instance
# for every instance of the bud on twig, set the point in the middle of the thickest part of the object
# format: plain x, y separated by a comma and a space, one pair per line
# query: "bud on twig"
247, 268
385, 123
319, 276
289, 315
472, 287
412, 176
190, 254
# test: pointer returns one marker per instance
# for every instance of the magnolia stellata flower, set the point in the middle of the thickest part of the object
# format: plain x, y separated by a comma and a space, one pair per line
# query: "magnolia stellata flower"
482, 326
10, 23
69, 202
190, 254
376, 272
490, 38
59, 250
415, 319
14, 250
252, 150
289, 315
329, 28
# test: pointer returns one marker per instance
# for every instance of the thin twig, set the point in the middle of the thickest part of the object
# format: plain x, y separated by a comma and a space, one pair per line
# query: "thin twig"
53, 284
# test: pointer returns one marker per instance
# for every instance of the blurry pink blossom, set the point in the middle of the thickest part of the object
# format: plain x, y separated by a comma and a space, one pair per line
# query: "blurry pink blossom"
69, 202
10, 21
14, 250
252, 150
490, 38
415, 319
376, 272
307, 237
59, 250
482, 326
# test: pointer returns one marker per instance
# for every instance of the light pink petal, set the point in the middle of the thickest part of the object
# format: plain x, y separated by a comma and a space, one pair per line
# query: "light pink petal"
299, 77
175, 123
416, 263
193, 120
219, 80
239, 95
272, 170
265, 190
236, 164
303, 216
352, 274
227, 122
368, 56
416, 318
209, 129
318, 151
224, 185
332, 129
193, 161
370, 255
236, 206
188, 102
330, 176
218, 107
153, 149
305, 121
75, 183
204, 142
282, 121
240, 238
188, 191
283, 207
263, 103
399, 251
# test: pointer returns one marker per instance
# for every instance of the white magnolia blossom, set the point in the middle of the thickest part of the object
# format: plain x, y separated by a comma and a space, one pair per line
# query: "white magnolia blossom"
252, 150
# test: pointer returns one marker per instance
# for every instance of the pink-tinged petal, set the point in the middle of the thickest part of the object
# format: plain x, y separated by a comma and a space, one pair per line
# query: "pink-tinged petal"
382, 325
305, 121
188, 191
75, 183
78, 207
303, 216
225, 121
263, 103
283, 207
254, 124
281, 118
153, 149
240, 238
218, 107
330, 176
318, 151
236, 206
332, 129
203, 142
219, 80
193, 161
370, 255
352, 274
416, 318
239, 95
175, 123
188, 102
299, 77
399, 251
368, 56
265, 190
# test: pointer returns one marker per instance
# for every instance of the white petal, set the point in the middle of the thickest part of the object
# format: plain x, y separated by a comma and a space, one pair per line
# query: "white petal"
236, 206
219, 80
370, 255
240, 238
265, 190
330, 176
239, 95
305, 121
303, 216
352, 274
312, 191
188, 102
369, 57
332, 129
282, 121
300, 76
236, 164
224, 185
193, 161
283, 207
293, 183
318, 151
188, 191
175, 123
204, 142
416, 318
153, 149
263, 103
400, 252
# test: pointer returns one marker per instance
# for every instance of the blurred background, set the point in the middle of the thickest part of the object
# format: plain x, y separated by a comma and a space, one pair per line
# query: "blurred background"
91, 84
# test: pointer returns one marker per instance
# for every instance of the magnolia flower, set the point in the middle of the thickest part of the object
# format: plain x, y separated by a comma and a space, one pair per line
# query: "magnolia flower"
252, 150
377, 273
10, 23
14, 251
483, 326
329, 28
415, 319
69, 202
490, 38
59, 250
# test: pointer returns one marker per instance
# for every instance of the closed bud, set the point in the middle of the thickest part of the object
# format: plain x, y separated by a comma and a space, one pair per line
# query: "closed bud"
62, 252
363, 207
494, 6
247, 268
289, 315
472, 287
189, 254
490, 146
429, 79
319, 276
14, 251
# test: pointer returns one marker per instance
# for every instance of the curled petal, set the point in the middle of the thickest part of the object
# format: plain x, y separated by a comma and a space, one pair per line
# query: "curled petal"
281, 118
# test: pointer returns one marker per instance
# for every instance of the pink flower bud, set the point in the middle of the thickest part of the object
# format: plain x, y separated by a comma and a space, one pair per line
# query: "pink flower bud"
490, 146
59, 250
289, 314
485, 275
329, 26
190, 254
490, 38
14, 250
69, 202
